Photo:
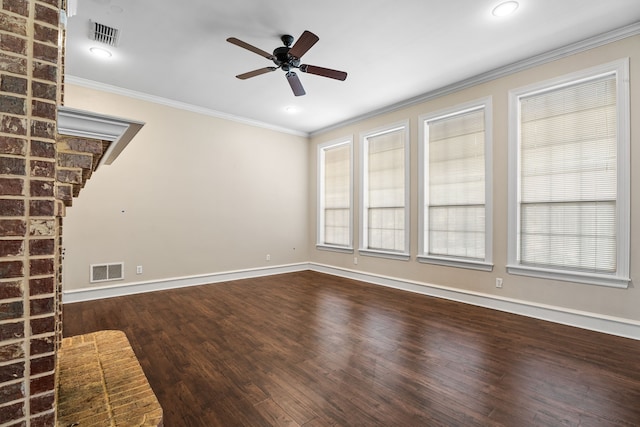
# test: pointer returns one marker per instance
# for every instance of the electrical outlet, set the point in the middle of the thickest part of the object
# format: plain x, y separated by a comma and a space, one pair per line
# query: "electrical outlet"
498, 282
139, 269
268, 257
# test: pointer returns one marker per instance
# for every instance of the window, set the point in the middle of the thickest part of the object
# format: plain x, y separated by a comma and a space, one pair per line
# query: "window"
385, 185
335, 194
569, 176
455, 194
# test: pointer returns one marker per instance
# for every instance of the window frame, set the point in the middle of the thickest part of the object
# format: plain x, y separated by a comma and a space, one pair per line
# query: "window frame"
423, 183
619, 279
364, 154
321, 150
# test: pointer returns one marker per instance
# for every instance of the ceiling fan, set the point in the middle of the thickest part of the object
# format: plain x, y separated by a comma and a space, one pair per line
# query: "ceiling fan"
287, 58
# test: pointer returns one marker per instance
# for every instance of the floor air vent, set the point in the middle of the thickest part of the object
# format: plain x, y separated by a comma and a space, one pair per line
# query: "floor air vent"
106, 272
104, 34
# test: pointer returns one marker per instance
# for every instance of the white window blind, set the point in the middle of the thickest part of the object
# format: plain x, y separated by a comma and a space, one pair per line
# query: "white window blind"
336, 195
568, 177
385, 198
455, 193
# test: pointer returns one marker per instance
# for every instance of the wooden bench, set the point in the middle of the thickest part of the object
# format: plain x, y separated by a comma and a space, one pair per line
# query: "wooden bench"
101, 383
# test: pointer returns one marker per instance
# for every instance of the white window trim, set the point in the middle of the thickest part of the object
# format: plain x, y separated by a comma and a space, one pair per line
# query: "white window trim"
333, 248
621, 278
320, 201
487, 263
364, 152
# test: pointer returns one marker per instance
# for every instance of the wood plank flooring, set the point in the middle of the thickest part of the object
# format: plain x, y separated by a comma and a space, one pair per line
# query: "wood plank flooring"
309, 349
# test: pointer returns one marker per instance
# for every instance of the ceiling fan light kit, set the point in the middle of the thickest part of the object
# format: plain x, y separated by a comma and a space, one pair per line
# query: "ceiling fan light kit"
287, 58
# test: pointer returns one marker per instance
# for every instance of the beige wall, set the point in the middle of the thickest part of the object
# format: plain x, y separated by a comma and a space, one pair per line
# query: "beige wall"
190, 195
202, 195
622, 303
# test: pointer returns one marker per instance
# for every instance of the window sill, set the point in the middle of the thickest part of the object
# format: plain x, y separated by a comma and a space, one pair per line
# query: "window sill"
341, 249
456, 262
570, 276
402, 256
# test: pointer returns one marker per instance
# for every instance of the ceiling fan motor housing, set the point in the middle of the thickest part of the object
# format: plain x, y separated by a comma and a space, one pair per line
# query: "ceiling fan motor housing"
283, 59
281, 55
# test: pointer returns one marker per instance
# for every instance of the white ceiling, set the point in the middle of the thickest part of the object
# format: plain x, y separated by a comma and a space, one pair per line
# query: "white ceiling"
392, 50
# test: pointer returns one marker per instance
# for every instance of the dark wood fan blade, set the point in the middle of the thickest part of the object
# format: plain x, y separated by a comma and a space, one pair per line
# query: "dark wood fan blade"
247, 46
256, 72
304, 43
296, 85
324, 72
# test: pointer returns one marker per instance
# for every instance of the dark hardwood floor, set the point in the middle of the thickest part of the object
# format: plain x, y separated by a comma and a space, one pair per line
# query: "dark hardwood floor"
308, 349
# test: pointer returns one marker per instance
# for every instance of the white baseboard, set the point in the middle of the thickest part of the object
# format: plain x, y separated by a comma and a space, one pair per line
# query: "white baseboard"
100, 292
586, 320
582, 319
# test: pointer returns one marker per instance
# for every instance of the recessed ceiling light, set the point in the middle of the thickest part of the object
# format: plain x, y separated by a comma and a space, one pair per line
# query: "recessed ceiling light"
102, 53
290, 109
504, 9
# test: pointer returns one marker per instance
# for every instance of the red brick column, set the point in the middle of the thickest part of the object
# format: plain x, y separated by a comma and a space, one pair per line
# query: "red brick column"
30, 215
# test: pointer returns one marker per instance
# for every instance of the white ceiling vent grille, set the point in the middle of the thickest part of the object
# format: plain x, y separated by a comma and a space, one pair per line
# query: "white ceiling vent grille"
106, 272
104, 34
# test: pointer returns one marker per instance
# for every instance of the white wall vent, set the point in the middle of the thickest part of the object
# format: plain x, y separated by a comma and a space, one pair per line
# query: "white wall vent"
103, 33
106, 272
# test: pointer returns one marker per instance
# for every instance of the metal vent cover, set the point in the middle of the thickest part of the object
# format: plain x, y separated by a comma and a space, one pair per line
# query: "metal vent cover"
106, 272
104, 34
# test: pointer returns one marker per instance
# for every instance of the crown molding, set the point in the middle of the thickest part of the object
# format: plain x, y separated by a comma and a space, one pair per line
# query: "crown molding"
544, 58
92, 84
515, 67
87, 124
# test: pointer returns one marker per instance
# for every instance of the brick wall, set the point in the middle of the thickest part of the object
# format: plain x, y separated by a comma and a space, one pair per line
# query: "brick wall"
30, 213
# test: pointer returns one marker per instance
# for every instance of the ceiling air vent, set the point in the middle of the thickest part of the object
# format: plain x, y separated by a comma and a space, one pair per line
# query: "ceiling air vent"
104, 34
106, 272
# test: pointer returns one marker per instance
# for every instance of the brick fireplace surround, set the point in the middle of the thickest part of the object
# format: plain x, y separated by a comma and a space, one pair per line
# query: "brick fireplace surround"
40, 173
